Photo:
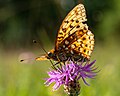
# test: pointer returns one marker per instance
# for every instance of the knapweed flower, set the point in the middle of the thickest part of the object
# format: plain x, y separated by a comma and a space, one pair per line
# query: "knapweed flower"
69, 74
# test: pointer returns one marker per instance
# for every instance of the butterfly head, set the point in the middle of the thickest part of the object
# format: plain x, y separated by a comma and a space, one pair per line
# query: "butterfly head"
51, 55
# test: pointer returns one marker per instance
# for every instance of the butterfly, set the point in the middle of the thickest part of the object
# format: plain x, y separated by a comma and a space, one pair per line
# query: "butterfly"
74, 40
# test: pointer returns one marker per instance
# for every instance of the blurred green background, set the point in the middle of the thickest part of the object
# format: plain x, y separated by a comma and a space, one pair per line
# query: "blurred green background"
21, 21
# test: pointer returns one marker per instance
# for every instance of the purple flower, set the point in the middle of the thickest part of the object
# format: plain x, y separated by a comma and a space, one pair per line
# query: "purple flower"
71, 72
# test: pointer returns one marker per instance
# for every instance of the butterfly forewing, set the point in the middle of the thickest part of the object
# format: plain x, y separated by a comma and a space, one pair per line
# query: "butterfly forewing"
69, 24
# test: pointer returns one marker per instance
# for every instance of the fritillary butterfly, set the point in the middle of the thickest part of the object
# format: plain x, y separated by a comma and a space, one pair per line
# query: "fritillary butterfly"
74, 39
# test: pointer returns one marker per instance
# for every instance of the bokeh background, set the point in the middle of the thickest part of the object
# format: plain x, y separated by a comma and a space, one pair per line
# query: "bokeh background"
22, 21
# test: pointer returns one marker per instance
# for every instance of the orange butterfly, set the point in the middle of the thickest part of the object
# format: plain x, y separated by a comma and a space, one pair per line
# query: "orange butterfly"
74, 39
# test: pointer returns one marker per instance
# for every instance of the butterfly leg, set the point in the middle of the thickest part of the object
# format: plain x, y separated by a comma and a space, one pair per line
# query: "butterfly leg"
58, 65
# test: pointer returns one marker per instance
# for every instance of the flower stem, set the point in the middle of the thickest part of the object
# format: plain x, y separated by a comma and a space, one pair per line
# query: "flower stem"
73, 88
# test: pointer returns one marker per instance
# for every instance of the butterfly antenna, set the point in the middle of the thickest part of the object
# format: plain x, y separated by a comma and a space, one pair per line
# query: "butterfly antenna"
23, 60
34, 41
53, 66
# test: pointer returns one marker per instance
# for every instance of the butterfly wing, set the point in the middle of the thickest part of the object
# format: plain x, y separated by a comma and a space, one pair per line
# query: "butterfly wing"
74, 36
75, 17
80, 43
83, 44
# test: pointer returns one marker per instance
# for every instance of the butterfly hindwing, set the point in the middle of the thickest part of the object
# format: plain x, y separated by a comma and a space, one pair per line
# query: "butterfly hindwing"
83, 45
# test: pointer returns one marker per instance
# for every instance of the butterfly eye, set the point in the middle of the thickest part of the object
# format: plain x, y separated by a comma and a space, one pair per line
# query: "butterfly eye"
50, 54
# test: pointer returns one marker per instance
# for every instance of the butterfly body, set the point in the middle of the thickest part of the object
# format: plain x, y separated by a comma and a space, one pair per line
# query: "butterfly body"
63, 56
74, 40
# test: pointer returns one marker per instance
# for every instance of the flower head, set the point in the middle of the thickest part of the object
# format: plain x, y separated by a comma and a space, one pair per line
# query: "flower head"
70, 73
